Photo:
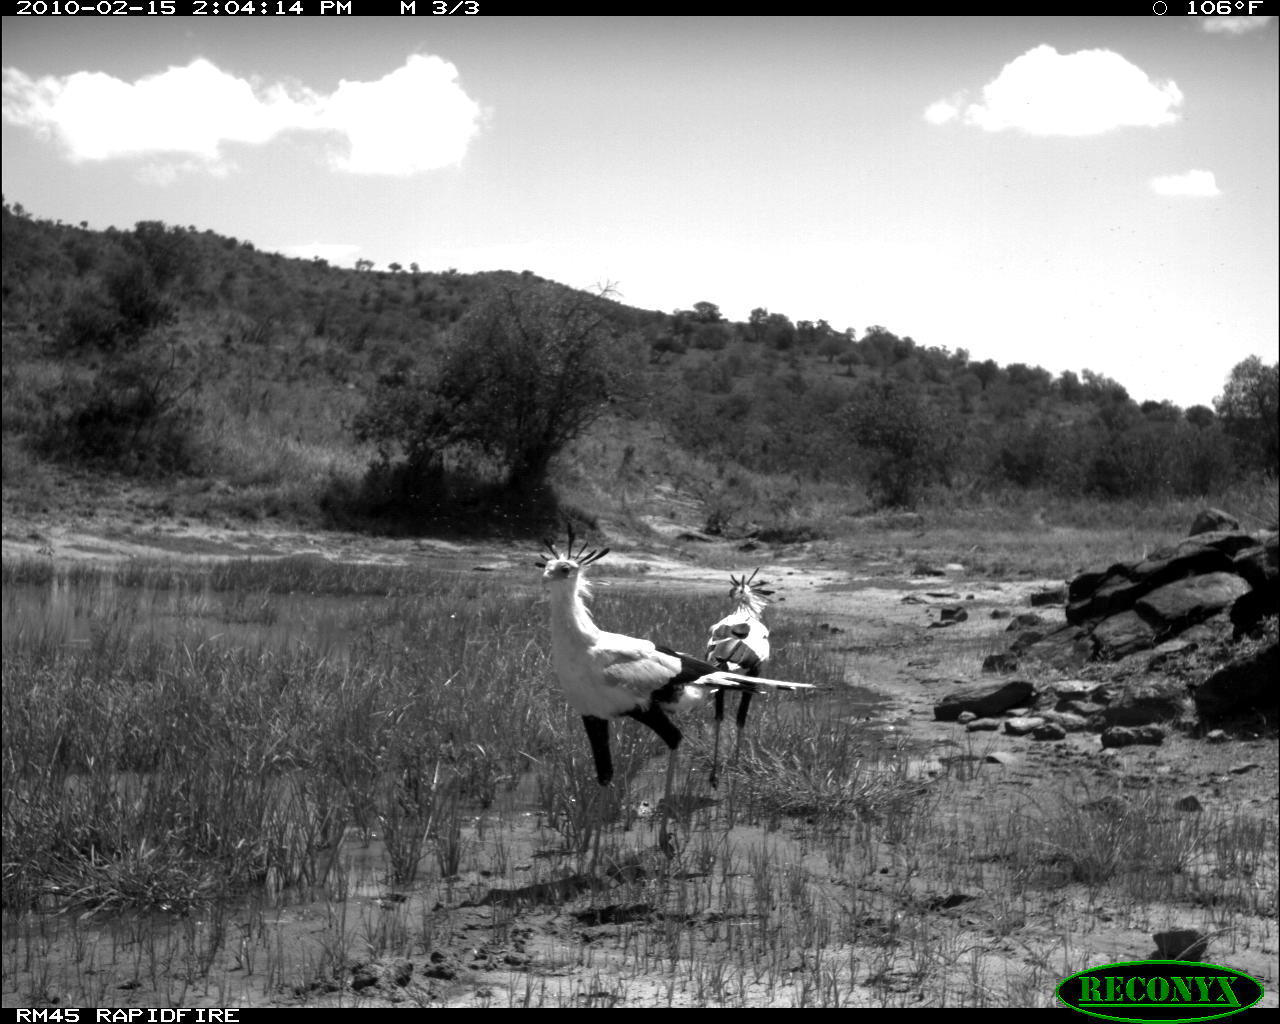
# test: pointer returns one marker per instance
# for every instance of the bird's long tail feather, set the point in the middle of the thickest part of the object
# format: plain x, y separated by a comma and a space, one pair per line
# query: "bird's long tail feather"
748, 684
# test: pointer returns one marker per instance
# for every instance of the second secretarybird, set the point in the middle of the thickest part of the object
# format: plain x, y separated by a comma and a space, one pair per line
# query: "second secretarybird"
609, 675
740, 643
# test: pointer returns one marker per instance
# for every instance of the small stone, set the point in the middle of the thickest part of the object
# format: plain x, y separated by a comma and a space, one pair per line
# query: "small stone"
1049, 731
1074, 689
362, 976
1000, 663
1068, 721
1124, 736
1180, 944
1020, 726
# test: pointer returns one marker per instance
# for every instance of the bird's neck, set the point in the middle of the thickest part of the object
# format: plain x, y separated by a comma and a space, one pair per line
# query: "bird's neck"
750, 605
570, 619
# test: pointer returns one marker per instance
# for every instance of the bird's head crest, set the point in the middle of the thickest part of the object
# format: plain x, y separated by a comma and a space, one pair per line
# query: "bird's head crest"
745, 587
581, 558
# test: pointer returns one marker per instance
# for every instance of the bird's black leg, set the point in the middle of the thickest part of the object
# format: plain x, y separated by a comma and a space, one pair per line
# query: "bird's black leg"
598, 734
656, 719
715, 748
744, 702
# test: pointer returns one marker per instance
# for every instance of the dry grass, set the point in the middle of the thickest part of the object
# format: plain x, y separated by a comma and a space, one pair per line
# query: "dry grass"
205, 798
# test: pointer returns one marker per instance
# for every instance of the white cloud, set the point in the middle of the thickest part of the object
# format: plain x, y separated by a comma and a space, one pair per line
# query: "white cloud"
1234, 26
165, 172
1088, 92
941, 112
1190, 183
414, 119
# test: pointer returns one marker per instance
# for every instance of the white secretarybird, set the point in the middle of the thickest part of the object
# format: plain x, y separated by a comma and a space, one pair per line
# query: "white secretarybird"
739, 643
608, 675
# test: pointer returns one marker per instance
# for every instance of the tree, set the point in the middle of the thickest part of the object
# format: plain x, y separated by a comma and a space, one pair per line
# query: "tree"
849, 358
1248, 407
1034, 380
663, 343
1160, 412
832, 345
1200, 416
911, 443
713, 336
986, 372
169, 253
706, 313
878, 344
526, 371
1069, 387
119, 314
1102, 390
780, 332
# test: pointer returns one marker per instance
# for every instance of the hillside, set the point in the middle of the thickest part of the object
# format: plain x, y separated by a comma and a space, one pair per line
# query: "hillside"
191, 365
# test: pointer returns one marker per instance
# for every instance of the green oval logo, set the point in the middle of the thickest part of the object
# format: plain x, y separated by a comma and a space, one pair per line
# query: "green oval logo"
1165, 990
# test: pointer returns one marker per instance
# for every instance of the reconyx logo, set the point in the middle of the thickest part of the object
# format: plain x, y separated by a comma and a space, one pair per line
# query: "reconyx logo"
1165, 990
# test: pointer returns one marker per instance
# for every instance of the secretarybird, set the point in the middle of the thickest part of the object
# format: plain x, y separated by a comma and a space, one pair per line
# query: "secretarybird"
609, 675
739, 643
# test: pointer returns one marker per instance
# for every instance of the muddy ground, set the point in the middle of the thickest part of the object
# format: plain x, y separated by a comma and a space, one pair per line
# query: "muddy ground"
535, 930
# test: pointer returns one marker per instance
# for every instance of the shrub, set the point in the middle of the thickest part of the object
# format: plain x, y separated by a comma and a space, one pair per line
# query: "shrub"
912, 444
527, 370
131, 416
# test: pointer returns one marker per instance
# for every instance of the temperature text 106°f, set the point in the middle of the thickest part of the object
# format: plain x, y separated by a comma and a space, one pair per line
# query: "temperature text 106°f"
1222, 6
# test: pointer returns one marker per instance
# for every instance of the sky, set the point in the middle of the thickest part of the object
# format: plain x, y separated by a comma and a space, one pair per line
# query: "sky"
1080, 193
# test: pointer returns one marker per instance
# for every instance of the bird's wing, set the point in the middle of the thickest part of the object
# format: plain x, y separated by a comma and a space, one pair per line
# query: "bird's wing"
649, 672
635, 665
739, 640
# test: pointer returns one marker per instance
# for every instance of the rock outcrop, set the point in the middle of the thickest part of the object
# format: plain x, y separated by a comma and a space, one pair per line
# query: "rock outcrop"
1223, 580
1215, 586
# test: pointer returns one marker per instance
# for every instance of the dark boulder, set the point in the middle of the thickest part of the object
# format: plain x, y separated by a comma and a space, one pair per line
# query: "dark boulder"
1122, 634
1210, 519
986, 700
1250, 686
1142, 702
1175, 606
1066, 648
